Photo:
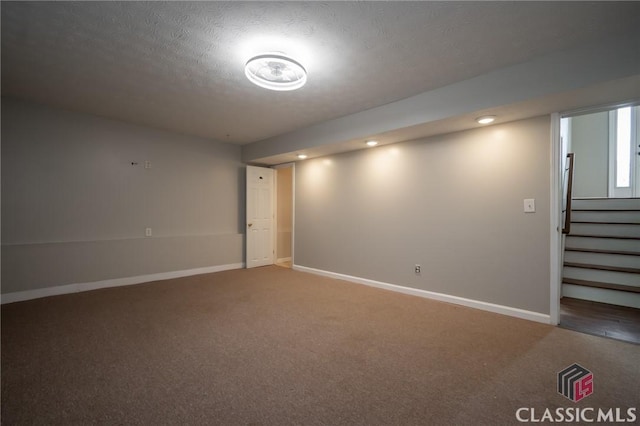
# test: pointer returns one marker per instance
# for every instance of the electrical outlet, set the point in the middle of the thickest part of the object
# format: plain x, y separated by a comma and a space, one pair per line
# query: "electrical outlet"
417, 269
147, 164
148, 232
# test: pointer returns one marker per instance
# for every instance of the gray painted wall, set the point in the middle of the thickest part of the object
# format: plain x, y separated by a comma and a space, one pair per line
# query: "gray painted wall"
74, 208
590, 143
453, 204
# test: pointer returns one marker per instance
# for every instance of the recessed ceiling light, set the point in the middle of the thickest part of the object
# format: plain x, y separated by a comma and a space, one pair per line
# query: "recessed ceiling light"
486, 119
302, 156
275, 71
372, 143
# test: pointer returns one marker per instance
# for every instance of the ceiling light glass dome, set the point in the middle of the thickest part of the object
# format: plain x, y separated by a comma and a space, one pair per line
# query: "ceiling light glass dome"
275, 71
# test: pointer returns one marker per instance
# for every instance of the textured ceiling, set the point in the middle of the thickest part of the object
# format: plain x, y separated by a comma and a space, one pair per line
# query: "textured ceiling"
179, 65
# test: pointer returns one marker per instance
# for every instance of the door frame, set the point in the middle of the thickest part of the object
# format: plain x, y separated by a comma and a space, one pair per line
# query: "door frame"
556, 239
292, 166
556, 252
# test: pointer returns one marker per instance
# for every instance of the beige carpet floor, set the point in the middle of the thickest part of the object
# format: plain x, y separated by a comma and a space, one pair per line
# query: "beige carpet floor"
274, 346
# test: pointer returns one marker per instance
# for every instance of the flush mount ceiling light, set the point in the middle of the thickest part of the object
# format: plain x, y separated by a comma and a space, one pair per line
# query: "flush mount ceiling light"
486, 119
371, 143
275, 71
302, 156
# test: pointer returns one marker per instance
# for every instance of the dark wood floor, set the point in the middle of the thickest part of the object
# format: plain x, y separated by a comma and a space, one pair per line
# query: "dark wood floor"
600, 319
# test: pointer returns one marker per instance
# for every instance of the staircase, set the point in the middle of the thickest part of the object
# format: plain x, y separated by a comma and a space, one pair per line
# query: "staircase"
602, 251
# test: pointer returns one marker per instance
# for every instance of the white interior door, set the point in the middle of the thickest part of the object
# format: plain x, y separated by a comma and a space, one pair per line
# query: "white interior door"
260, 214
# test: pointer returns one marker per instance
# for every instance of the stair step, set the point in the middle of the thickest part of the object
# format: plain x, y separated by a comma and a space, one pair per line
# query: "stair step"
621, 237
602, 243
606, 211
601, 275
603, 267
602, 252
605, 259
602, 295
597, 284
599, 216
588, 250
605, 204
592, 222
606, 229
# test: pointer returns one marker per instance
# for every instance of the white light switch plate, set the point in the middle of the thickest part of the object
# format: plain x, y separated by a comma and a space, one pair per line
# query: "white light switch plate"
530, 205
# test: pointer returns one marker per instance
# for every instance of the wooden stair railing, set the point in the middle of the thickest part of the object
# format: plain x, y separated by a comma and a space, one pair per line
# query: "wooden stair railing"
567, 189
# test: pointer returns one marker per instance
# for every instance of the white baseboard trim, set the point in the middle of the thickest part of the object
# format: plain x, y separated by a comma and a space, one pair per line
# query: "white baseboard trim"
485, 306
20, 296
283, 259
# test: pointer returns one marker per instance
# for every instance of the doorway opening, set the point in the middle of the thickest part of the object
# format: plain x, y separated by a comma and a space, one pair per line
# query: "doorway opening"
284, 215
600, 254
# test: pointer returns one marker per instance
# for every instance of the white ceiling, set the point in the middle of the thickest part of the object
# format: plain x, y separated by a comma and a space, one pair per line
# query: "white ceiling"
179, 65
